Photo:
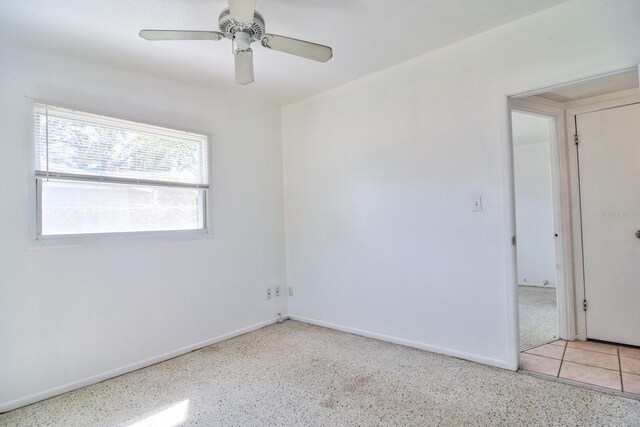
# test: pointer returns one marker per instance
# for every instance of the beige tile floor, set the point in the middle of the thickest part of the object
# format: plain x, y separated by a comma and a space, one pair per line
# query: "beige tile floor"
593, 363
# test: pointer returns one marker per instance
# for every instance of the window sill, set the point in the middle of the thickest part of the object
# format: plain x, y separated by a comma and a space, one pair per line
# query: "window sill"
69, 240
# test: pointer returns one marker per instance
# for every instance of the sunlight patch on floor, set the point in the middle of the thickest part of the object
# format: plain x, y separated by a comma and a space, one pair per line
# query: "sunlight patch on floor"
172, 416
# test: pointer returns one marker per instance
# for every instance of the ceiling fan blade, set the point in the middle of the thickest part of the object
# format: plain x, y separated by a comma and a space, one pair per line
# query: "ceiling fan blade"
244, 67
314, 51
154, 35
242, 10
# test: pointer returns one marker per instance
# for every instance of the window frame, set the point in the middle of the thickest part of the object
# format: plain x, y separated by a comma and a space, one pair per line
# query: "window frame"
39, 177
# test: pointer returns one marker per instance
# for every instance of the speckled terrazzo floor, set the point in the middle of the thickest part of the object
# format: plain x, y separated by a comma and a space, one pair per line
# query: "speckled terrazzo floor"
296, 374
538, 316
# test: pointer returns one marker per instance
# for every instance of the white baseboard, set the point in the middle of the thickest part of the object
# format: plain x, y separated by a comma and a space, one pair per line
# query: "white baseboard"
401, 341
36, 397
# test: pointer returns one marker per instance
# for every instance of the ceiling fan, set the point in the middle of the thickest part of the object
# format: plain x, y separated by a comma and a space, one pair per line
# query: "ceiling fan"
243, 25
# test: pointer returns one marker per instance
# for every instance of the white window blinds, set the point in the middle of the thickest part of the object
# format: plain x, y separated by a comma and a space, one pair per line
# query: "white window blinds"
77, 145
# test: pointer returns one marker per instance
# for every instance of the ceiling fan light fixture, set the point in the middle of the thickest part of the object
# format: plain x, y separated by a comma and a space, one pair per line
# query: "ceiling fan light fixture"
241, 41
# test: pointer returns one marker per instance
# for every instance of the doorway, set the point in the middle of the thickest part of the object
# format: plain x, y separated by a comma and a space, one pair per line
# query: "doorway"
596, 205
533, 136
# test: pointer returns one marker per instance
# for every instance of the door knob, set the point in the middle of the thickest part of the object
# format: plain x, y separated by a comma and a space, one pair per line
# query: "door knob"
638, 234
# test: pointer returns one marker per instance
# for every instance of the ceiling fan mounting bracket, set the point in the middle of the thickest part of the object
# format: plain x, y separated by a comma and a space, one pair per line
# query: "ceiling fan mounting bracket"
229, 26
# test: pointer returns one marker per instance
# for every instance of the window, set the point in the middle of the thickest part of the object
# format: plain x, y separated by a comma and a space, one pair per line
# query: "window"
97, 174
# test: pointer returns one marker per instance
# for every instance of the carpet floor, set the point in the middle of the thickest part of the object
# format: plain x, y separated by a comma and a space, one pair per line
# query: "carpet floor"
538, 316
294, 374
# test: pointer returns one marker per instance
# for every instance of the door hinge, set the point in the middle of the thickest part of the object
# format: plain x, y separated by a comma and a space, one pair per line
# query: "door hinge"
576, 139
584, 305
514, 240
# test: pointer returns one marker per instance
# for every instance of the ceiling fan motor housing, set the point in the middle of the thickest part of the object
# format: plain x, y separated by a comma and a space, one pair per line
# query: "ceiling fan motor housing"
229, 26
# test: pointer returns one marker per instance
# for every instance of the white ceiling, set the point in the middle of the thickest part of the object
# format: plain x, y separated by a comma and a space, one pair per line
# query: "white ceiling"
366, 35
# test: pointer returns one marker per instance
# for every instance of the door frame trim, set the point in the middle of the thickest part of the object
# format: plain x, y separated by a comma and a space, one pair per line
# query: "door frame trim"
614, 100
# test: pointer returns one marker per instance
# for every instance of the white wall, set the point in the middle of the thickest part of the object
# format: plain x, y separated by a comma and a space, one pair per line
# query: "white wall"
534, 205
70, 313
379, 175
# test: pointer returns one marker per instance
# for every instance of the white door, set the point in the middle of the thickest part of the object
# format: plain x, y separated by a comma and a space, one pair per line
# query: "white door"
609, 160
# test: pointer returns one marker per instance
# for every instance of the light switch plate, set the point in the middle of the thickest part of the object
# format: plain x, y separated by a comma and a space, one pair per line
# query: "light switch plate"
476, 203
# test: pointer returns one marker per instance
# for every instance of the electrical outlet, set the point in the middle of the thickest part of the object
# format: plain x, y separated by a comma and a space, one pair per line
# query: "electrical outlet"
277, 291
268, 293
290, 291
